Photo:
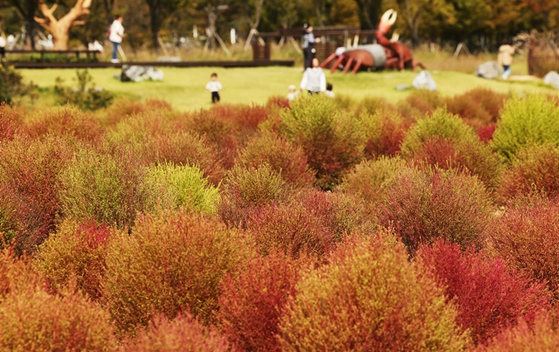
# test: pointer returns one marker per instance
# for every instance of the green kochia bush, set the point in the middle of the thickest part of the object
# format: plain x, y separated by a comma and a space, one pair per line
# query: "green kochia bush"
526, 121
332, 140
170, 263
167, 186
370, 298
102, 188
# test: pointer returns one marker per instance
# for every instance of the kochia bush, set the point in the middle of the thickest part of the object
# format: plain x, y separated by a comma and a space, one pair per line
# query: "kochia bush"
75, 255
525, 236
252, 303
424, 206
184, 333
489, 297
170, 262
167, 186
370, 298
331, 139
526, 121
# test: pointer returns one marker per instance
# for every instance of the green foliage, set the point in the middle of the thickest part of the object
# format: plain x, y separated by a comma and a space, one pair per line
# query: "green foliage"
440, 124
85, 94
102, 188
12, 86
370, 298
331, 139
166, 186
533, 119
170, 263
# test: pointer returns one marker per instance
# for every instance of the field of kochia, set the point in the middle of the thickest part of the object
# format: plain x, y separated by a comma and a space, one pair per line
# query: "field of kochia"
430, 223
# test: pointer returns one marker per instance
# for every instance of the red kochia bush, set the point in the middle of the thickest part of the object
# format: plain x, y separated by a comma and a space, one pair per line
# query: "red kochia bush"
534, 169
489, 297
29, 185
424, 206
525, 236
184, 333
252, 303
542, 336
478, 107
60, 121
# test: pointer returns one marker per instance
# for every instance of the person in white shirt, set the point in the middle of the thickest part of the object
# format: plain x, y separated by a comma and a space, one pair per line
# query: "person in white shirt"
292, 92
314, 79
116, 33
2, 47
214, 87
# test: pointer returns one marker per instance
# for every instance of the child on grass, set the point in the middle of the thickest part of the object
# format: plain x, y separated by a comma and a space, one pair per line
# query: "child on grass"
214, 87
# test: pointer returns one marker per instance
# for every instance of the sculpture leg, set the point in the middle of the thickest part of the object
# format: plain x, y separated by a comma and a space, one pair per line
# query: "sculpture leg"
357, 66
328, 60
348, 64
337, 63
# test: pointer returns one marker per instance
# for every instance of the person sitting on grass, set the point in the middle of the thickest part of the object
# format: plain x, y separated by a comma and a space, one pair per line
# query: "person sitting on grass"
314, 79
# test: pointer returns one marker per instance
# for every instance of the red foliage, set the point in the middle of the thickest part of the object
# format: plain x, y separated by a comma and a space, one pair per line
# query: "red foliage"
252, 303
525, 236
485, 133
489, 297
123, 108
535, 170
29, 188
419, 103
479, 106
392, 133
184, 333
277, 102
61, 121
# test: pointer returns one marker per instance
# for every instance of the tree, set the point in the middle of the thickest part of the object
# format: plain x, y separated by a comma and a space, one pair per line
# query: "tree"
60, 28
27, 9
369, 13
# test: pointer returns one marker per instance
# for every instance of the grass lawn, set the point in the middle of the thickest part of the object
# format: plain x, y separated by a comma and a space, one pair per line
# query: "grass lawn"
184, 88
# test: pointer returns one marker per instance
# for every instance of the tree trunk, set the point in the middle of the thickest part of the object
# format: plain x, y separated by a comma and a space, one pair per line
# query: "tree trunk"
155, 13
59, 28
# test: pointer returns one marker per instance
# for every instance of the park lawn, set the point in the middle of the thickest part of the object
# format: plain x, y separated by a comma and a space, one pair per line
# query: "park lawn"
184, 88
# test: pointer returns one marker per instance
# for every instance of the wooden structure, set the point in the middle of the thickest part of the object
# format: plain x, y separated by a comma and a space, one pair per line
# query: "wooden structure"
331, 38
225, 64
90, 55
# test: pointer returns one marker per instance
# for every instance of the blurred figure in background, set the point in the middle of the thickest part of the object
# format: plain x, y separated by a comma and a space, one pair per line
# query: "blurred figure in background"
506, 51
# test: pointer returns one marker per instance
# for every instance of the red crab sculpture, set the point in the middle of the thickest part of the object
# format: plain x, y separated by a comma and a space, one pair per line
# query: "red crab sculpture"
385, 54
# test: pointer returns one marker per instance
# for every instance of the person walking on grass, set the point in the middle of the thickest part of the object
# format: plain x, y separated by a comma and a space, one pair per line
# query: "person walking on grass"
308, 45
116, 33
314, 79
214, 87
506, 51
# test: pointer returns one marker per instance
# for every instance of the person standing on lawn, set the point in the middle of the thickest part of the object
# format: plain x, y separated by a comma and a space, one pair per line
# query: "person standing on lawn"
314, 79
506, 51
214, 87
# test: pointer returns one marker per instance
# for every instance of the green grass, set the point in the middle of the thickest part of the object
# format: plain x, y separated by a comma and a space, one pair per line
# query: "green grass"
184, 88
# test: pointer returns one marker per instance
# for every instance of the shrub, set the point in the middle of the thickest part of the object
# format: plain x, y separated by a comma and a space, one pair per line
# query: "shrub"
246, 189
526, 121
332, 140
65, 121
277, 102
36, 321
252, 303
525, 236
533, 169
420, 102
436, 204
369, 298
123, 108
12, 85
85, 95
29, 185
370, 179
102, 188
284, 158
373, 105
488, 296
166, 186
75, 255
312, 223
540, 336
11, 122
479, 106
184, 333
385, 133
169, 263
